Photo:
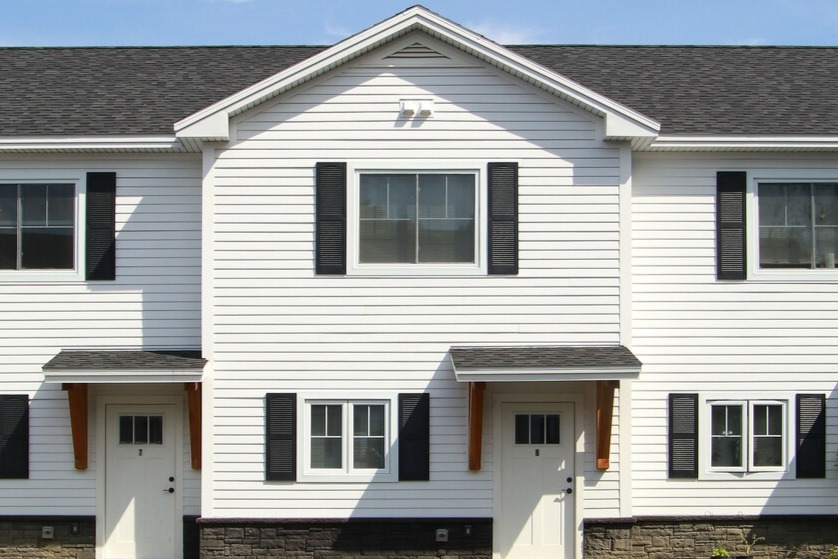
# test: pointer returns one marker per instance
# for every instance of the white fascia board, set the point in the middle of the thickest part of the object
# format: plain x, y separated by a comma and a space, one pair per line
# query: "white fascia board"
620, 121
124, 376
743, 143
546, 374
90, 143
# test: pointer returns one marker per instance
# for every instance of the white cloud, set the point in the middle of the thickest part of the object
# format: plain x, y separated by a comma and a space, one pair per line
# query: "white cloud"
505, 34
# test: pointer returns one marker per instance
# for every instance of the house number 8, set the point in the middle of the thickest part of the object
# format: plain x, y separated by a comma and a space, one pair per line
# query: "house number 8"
537, 452
139, 452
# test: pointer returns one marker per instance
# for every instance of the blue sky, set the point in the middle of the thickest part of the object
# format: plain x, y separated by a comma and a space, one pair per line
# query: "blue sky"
307, 22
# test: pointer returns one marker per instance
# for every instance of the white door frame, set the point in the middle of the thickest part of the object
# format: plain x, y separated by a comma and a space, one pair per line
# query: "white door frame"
577, 400
101, 417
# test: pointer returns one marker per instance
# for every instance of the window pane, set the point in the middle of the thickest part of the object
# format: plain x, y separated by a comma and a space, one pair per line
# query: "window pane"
826, 246
141, 429
8, 205
432, 196
388, 241
155, 429
461, 196
401, 192
785, 247
326, 453
536, 429
726, 452
446, 240
522, 429
373, 196
47, 248
126, 429
61, 202
334, 421
768, 451
553, 429
377, 427
8, 249
368, 453
360, 414
318, 420
33, 204
775, 420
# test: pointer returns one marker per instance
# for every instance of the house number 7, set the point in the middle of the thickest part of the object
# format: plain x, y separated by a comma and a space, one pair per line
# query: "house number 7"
139, 452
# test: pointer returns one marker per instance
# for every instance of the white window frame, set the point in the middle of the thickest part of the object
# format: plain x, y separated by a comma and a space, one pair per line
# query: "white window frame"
53, 275
347, 473
354, 172
755, 178
747, 470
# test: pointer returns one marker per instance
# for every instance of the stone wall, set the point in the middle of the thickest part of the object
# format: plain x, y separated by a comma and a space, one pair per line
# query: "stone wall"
384, 539
21, 538
691, 538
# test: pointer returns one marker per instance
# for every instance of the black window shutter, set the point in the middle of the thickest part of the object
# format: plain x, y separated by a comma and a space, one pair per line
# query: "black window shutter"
100, 250
14, 437
281, 437
730, 225
414, 437
330, 198
811, 436
683, 436
503, 218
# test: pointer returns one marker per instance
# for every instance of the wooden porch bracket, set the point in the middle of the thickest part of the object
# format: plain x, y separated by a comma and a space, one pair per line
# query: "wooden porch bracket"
77, 399
475, 424
604, 420
193, 403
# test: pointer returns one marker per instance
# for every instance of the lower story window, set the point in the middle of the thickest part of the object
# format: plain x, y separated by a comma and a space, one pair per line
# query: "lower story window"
747, 436
37, 226
347, 436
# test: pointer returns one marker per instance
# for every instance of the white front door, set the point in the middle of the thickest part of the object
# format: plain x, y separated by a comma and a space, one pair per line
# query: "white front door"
140, 482
537, 475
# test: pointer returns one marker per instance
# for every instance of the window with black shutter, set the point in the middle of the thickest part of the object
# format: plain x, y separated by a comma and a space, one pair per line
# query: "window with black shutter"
14, 436
731, 247
811, 436
683, 435
100, 247
414, 437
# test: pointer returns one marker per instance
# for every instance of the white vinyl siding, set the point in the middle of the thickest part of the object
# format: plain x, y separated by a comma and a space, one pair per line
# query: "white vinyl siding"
752, 339
279, 328
154, 303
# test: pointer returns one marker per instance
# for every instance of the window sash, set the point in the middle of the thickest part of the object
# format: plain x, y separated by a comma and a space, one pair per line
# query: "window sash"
768, 442
427, 218
727, 436
798, 225
37, 229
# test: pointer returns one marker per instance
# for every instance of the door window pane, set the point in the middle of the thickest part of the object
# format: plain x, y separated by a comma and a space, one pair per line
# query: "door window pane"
522, 429
553, 436
141, 429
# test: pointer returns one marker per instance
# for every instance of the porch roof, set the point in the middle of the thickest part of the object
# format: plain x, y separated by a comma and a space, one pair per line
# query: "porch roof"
120, 366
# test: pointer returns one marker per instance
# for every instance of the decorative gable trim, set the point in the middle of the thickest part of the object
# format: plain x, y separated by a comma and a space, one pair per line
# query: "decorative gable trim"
621, 122
414, 51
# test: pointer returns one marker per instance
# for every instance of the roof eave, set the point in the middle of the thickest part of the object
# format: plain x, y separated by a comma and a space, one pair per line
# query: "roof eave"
765, 142
66, 144
621, 122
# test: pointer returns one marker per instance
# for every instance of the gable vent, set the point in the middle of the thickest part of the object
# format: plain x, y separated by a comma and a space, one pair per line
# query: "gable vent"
416, 50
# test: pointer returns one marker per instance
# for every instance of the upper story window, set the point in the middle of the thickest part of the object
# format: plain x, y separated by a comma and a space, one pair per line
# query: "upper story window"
37, 226
417, 218
798, 225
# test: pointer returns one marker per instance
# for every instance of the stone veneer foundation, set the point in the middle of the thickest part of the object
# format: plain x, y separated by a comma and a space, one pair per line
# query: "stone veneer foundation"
21, 538
335, 539
785, 537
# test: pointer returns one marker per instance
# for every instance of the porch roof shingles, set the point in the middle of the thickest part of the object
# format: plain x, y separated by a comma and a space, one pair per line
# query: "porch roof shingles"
690, 90
116, 360
552, 357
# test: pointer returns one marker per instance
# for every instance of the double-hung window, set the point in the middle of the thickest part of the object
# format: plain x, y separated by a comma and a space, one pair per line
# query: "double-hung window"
37, 226
747, 436
347, 437
424, 218
798, 224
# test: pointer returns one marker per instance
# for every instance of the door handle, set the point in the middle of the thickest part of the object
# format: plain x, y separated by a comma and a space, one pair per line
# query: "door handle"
169, 490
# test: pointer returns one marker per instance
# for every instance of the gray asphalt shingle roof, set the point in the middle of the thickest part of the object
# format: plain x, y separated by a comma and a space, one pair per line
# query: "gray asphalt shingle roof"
690, 90
522, 357
116, 360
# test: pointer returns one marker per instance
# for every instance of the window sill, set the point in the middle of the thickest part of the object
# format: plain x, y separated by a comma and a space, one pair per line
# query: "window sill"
417, 270
41, 276
745, 476
794, 275
378, 477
